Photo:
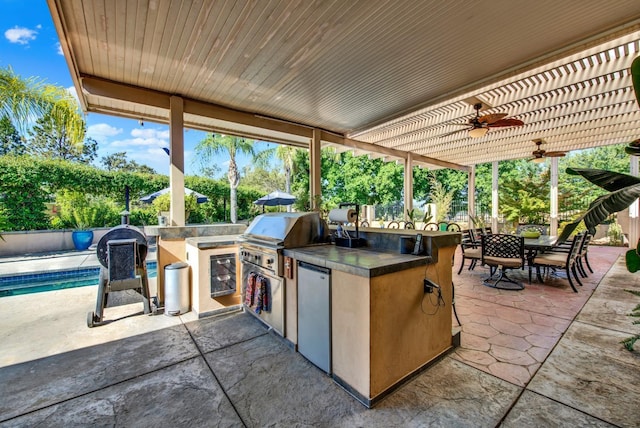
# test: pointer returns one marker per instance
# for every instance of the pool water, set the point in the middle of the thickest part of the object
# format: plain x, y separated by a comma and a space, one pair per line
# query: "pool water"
50, 281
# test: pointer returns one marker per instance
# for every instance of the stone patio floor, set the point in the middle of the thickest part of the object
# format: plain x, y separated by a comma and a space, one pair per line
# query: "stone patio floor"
543, 356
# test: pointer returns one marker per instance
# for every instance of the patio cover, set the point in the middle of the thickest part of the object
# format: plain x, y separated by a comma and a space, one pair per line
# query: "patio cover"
384, 78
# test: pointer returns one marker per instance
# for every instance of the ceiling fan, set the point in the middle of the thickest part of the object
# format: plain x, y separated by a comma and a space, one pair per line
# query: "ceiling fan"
539, 154
479, 125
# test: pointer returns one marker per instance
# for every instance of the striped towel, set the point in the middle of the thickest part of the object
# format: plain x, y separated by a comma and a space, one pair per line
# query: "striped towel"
250, 289
263, 292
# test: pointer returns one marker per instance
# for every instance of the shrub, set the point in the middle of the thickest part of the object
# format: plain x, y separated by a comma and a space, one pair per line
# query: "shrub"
615, 234
79, 211
163, 203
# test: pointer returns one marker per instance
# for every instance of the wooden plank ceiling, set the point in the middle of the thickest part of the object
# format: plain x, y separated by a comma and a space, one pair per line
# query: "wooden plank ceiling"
398, 75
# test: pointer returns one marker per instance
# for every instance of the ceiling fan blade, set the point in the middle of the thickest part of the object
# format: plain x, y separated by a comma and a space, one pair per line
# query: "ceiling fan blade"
491, 118
456, 131
555, 154
506, 122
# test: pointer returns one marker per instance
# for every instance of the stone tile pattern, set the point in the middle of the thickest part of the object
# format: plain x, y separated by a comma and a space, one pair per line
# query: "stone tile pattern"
203, 374
510, 333
229, 371
534, 411
590, 369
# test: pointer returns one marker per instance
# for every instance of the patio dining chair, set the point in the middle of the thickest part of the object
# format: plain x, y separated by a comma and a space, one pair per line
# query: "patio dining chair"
453, 227
470, 250
555, 259
502, 252
394, 225
582, 255
430, 226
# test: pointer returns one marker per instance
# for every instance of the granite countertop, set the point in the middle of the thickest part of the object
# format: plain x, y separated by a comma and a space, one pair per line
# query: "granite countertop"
194, 231
357, 261
204, 242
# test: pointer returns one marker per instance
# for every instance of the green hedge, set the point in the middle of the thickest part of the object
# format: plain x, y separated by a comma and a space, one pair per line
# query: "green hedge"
27, 183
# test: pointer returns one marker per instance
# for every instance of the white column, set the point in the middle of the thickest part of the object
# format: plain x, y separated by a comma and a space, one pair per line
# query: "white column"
471, 194
408, 186
315, 156
553, 196
176, 168
494, 196
633, 208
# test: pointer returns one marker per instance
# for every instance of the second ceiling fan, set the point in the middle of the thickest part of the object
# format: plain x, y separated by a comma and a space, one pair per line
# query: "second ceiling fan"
539, 154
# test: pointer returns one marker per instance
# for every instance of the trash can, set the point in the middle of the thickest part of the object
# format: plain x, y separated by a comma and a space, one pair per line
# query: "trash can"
176, 288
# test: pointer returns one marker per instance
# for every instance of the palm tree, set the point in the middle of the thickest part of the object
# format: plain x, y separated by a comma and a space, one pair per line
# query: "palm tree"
214, 144
22, 100
286, 155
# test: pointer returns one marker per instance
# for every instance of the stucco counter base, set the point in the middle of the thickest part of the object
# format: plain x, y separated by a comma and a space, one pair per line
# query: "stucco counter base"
384, 328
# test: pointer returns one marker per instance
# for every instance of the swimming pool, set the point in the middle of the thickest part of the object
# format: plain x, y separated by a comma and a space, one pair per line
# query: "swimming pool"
49, 281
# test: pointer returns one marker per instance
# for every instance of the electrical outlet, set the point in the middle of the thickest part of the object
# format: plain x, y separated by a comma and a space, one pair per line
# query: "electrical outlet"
428, 287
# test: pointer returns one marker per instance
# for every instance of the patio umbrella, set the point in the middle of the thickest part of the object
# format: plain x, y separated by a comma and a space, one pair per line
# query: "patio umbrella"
276, 198
200, 198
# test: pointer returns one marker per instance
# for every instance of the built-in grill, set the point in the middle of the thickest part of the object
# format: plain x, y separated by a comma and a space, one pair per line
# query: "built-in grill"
261, 256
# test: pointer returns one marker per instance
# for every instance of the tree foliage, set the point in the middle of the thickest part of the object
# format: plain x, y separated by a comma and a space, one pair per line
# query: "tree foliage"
214, 144
54, 135
10, 141
23, 99
118, 162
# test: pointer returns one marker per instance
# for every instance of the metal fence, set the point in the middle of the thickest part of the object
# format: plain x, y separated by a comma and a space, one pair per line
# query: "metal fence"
568, 208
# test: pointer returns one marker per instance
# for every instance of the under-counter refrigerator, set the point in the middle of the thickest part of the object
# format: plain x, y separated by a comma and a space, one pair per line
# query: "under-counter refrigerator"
314, 314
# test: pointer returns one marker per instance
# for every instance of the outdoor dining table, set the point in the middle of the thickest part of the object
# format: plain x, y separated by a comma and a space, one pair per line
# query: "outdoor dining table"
540, 243
534, 245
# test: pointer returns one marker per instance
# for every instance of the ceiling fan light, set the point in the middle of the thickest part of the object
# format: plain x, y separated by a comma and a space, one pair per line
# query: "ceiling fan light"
478, 132
538, 160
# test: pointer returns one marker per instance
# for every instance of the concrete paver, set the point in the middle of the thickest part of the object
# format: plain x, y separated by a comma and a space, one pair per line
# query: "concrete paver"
531, 364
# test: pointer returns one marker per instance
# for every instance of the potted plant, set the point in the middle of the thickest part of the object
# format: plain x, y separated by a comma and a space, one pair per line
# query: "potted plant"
82, 237
78, 211
83, 217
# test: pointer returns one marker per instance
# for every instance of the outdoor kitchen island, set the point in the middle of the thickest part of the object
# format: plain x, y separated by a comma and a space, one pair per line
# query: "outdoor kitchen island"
383, 326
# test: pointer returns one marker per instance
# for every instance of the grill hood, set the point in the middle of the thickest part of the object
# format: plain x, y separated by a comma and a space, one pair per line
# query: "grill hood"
288, 230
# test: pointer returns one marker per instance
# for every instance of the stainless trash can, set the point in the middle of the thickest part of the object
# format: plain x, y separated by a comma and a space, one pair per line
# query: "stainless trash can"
176, 288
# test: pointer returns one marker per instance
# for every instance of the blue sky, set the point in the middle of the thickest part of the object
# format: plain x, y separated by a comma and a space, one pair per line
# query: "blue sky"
30, 46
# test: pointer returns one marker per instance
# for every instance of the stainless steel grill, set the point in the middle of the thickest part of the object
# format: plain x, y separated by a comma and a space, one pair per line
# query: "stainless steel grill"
261, 253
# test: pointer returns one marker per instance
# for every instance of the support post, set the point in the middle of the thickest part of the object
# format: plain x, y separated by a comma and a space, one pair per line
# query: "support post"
176, 156
408, 186
553, 196
494, 196
315, 156
633, 208
471, 192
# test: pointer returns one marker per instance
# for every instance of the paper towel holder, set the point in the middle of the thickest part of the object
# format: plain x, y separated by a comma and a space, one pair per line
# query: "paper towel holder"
351, 242
356, 209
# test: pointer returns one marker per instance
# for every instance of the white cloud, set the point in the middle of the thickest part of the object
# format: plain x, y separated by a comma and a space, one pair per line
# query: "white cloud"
72, 91
102, 131
59, 49
20, 35
150, 133
139, 142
